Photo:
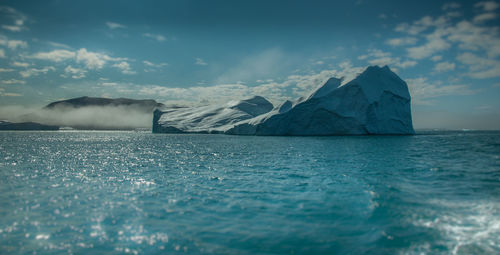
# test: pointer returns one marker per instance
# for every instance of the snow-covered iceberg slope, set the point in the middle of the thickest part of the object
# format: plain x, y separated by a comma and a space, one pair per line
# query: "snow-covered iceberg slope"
375, 102
208, 119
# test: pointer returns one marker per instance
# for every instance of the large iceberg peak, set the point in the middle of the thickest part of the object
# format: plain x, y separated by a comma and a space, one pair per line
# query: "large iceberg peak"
254, 106
326, 88
376, 80
285, 106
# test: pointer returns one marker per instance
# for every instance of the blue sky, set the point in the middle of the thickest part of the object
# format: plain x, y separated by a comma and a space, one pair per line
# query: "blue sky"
197, 52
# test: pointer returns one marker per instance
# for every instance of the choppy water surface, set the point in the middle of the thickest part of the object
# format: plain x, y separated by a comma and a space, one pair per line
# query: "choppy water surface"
125, 192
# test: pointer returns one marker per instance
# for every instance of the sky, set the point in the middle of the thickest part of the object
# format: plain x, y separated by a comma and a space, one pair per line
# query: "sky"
198, 52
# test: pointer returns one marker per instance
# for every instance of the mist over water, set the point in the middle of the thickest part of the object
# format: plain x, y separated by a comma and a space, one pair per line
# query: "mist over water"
90, 117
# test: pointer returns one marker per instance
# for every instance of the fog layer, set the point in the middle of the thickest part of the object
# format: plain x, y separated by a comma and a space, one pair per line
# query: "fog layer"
91, 117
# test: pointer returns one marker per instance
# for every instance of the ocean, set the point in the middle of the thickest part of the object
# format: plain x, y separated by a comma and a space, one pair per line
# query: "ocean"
76, 192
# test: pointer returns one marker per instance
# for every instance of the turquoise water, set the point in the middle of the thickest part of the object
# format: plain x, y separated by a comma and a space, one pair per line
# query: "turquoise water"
129, 192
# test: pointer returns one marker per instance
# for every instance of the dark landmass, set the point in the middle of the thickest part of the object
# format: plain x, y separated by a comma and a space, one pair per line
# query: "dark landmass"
146, 105
6, 125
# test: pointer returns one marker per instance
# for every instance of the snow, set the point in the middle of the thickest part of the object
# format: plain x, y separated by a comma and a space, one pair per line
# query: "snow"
376, 102
208, 119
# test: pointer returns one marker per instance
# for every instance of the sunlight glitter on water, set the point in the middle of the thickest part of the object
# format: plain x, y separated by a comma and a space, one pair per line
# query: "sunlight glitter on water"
136, 193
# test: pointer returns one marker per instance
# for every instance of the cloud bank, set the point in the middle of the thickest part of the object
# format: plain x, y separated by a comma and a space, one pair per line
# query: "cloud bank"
107, 117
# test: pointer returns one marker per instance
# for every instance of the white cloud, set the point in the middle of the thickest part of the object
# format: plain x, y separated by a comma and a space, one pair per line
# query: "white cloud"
407, 63
422, 90
437, 58
92, 60
55, 55
479, 67
6, 94
152, 67
450, 5
381, 58
435, 43
14, 44
406, 28
12, 28
437, 32
300, 85
303, 85
402, 41
11, 94
382, 16
200, 62
13, 81
487, 5
151, 64
219, 93
113, 25
35, 71
20, 64
444, 67
453, 14
421, 25
443, 33
157, 37
73, 72
124, 67
2, 53
465, 35
109, 84
58, 45
484, 17
18, 19
4, 70
382, 61
470, 36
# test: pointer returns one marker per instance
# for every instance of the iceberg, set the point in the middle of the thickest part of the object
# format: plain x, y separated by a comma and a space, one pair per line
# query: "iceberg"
376, 102
208, 119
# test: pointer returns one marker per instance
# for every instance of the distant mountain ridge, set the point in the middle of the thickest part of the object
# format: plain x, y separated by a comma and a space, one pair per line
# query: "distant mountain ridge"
146, 105
7, 125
